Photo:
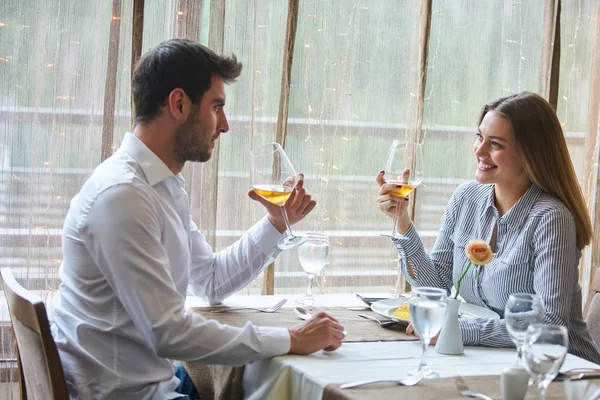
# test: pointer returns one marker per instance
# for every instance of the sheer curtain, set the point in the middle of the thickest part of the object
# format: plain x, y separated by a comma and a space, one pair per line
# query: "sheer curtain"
361, 73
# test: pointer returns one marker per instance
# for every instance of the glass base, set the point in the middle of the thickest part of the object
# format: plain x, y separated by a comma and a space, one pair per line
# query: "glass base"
289, 242
307, 301
429, 373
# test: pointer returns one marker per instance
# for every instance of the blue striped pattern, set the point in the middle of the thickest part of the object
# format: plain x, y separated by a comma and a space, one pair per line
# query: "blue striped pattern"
535, 252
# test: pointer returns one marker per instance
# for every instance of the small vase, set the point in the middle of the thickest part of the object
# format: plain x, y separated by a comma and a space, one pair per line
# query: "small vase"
450, 339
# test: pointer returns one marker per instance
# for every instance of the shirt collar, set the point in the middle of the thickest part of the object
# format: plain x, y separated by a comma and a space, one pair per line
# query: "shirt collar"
519, 211
153, 167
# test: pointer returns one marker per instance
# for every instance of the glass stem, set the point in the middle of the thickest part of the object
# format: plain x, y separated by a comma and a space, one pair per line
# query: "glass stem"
543, 387
288, 228
395, 228
519, 354
311, 281
423, 365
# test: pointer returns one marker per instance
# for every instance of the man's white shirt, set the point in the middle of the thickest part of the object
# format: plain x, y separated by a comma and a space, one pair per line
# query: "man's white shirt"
131, 252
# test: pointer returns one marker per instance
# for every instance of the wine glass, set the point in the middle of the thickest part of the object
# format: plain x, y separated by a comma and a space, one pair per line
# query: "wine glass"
427, 310
274, 179
403, 155
522, 310
313, 255
544, 351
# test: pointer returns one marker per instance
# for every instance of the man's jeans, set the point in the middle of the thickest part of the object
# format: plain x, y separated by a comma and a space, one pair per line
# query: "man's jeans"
186, 386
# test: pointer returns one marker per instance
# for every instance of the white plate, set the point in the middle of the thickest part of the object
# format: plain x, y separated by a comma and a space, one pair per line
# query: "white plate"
386, 308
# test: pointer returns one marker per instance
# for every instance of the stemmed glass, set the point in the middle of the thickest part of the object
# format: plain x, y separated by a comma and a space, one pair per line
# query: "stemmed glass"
313, 255
427, 311
544, 351
522, 310
274, 179
401, 156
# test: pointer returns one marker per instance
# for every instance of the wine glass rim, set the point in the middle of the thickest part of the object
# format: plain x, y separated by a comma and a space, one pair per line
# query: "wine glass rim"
428, 290
412, 142
317, 235
265, 149
546, 327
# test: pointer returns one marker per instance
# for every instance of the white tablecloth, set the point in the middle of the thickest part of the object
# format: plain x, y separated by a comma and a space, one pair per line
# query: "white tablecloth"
305, 377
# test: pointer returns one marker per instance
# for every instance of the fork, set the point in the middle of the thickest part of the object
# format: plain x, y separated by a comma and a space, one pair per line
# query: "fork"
410, 381
271, 309
463, 389
382, 323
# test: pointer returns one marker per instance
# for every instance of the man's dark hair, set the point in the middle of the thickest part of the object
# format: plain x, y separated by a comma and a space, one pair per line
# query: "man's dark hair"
177, 63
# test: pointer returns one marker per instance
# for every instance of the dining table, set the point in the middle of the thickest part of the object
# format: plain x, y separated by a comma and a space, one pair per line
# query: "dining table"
368, 352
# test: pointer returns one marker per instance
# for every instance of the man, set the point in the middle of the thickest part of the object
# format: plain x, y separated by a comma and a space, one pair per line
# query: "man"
131, 250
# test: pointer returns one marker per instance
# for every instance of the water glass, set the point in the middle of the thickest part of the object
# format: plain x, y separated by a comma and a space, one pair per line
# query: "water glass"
522, 310
427, 311
544, 351
313, 255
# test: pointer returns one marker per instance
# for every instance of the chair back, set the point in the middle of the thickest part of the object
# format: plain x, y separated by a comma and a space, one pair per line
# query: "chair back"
592, 308
40, 370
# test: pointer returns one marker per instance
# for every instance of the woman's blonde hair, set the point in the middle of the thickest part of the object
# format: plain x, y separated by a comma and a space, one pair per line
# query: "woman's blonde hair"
542, 148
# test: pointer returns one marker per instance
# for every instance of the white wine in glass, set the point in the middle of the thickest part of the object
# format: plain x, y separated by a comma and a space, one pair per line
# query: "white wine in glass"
274, 179
403, 155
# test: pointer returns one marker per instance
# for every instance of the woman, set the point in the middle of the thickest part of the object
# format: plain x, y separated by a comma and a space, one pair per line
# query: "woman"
527, 205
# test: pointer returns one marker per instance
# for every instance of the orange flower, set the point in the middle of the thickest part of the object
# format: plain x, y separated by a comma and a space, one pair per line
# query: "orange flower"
479, 252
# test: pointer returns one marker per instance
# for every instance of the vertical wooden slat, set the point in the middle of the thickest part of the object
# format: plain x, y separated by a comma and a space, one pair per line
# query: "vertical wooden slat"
187, 19
592, 162
550, 57
284, 103
416, 132
137, 37
110, 85
204, 198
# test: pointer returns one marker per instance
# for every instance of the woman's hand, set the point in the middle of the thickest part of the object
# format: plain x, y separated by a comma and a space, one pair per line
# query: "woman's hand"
392, 204
410, 330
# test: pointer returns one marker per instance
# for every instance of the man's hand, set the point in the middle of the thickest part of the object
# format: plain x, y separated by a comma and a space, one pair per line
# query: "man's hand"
410, 330
298, 206
321, 332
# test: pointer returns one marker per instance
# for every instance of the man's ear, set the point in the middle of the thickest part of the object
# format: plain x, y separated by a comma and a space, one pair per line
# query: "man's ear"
179, 104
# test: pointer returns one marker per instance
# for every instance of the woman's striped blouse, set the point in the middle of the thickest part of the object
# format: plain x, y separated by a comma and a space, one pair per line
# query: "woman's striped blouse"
535, 252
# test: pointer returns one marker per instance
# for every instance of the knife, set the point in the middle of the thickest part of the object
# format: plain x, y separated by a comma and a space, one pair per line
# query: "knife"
577, 376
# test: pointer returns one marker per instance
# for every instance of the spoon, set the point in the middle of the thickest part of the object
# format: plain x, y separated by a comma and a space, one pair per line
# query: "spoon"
383, 323
302, 313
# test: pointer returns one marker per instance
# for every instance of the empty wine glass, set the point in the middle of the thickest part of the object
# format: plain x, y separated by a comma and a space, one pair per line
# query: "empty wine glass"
544, 351
401, 156
313, 255
274, 179
522, 310
427, 310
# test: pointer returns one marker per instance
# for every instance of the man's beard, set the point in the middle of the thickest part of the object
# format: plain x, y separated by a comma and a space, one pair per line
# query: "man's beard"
191, 142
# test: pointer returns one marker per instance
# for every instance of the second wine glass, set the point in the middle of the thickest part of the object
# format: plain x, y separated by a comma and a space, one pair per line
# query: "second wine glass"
544, 351
427, 312
403, 155
522, 310
274, 179
313, 255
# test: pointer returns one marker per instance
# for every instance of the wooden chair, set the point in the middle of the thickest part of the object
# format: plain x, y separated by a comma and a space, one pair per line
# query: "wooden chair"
592, 308
40, 370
